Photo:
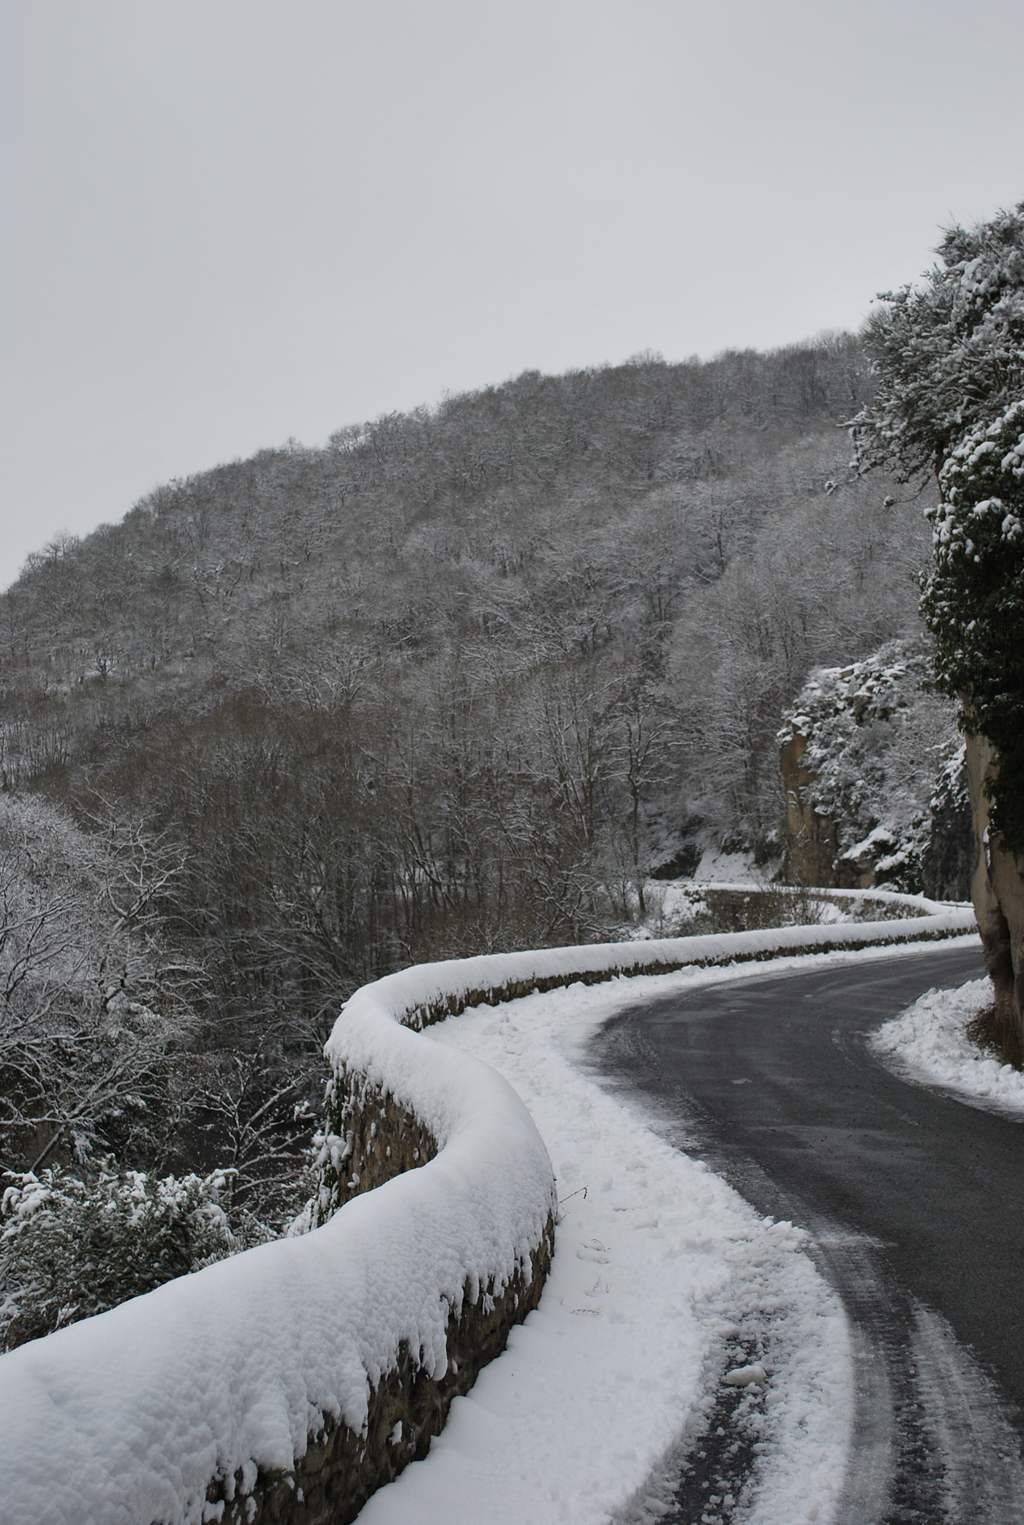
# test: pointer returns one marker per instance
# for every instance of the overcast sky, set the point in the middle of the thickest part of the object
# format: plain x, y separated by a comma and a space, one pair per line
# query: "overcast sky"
229, 222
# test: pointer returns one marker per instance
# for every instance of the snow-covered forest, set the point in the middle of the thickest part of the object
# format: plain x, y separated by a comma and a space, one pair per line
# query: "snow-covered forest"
461, 680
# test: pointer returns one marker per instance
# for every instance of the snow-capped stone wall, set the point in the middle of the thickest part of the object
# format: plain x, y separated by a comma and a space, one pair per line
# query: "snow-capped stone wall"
289, 1382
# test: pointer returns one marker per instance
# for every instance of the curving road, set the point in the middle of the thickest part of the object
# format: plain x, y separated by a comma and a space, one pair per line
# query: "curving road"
915, 1201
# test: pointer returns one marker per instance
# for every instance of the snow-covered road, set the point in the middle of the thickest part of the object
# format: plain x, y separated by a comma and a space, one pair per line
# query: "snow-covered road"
664, 1276
911, 1197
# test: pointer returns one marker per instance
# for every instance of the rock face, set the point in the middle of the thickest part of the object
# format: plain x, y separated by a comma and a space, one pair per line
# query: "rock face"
872, 771
812, 839
997, 890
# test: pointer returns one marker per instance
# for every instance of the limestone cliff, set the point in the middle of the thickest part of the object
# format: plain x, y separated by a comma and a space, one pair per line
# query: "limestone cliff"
872, 770
812, 840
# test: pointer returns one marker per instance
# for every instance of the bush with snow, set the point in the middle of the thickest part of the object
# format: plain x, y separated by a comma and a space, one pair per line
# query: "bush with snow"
70, 1249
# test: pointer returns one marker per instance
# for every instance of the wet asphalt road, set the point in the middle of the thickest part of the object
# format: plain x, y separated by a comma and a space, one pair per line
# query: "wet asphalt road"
916, 1199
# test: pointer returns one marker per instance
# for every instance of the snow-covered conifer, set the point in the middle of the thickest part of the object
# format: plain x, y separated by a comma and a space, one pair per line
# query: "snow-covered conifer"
949, 357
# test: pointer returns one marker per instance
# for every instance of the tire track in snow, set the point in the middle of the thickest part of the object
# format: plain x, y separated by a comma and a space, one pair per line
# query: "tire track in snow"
933, 1439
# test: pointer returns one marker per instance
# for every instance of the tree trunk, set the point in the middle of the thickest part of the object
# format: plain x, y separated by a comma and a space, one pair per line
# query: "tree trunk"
997, 891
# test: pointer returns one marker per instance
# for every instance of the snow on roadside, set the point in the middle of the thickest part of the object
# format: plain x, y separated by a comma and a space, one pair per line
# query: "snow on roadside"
719, 867
663, 1275
675, 903
928, 1043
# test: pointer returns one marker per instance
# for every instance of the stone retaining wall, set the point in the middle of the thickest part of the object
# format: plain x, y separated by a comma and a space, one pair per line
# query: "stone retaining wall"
341, 1468
368, 1138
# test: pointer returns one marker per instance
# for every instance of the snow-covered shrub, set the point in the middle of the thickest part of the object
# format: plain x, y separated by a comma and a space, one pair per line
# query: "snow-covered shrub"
878, 744
70, 1249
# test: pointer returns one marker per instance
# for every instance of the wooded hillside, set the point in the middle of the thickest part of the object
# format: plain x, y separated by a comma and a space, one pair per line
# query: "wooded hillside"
458, 681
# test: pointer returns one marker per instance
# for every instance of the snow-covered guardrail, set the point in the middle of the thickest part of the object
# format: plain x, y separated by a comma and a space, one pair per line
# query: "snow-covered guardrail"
289, 1382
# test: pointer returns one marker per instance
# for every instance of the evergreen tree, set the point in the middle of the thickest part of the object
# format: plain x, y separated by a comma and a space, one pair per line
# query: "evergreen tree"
949, 357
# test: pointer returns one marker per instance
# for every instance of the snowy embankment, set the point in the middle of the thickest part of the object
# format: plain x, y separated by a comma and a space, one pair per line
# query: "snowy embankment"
928, 1043
222, 1377
681, 901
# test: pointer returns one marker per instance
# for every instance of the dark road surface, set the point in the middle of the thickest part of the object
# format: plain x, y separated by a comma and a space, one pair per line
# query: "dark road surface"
915, 1201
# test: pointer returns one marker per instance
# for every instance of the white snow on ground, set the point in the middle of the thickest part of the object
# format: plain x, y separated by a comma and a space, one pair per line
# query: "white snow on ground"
674, 903
128, 1415
718, 867
928, 1042
661, 1271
